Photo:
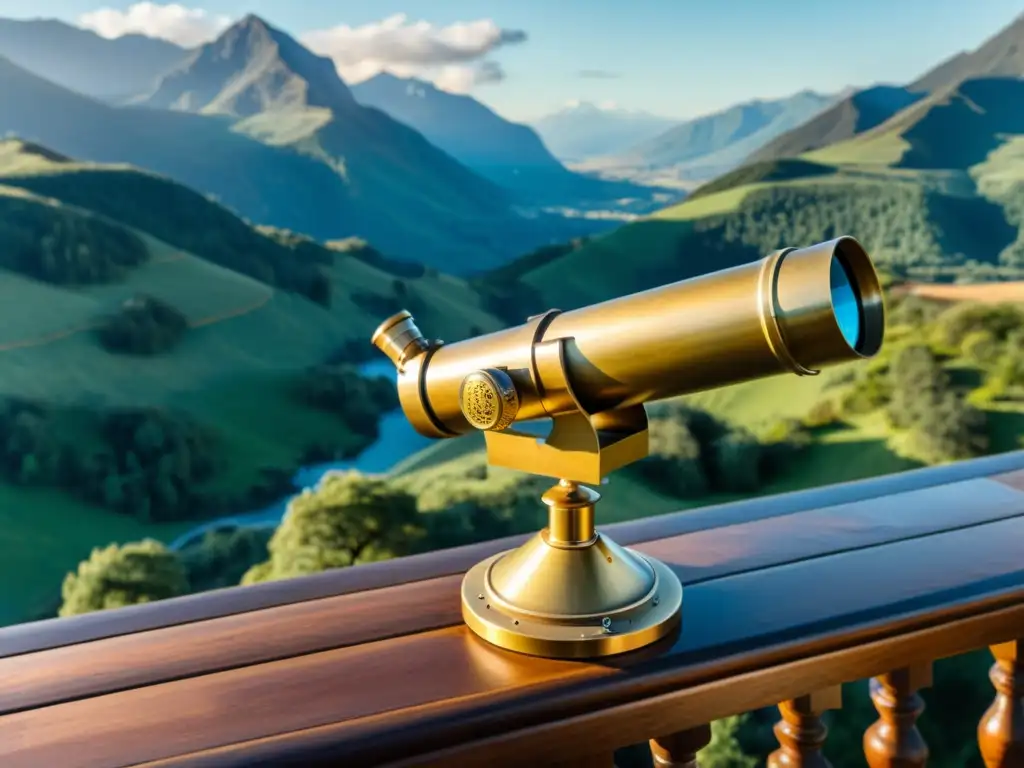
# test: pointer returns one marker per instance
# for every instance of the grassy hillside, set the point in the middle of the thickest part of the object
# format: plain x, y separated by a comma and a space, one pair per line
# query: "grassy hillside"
852, 115
235, 371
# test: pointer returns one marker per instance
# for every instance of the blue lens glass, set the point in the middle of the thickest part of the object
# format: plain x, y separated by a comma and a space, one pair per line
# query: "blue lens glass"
845, 303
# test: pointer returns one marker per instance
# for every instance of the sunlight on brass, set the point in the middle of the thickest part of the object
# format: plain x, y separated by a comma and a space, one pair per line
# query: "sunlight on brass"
488, 399
571, 592
399, 338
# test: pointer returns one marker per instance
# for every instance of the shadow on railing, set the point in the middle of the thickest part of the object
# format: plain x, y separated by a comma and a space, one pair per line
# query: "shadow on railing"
785, 599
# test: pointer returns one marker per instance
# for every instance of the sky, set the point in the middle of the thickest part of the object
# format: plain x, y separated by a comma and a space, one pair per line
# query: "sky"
527, 58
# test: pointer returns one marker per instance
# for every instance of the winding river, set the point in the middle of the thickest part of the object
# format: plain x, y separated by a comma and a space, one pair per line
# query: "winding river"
397, 441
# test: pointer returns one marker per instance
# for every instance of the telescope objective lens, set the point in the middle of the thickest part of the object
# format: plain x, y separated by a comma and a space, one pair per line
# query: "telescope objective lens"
846, 304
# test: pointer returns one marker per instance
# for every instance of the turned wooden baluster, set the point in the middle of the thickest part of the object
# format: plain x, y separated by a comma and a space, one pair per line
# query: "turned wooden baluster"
1001, 731
894, 741
801, 732
679, 750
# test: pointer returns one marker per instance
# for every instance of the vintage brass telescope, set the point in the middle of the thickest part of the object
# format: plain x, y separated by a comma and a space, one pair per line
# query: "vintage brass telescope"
571, 592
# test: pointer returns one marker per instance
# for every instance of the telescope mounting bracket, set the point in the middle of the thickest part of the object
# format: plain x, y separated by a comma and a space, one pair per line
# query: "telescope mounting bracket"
581, 446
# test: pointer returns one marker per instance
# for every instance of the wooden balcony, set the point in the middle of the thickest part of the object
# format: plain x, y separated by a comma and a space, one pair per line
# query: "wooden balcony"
785, 598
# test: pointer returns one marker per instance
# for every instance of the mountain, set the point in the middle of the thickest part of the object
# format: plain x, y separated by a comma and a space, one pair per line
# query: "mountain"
958, 128
82, 61
700, 149
585, 130
458, 124
1002, 55
860, 111
330, 172
507, 153
249, 69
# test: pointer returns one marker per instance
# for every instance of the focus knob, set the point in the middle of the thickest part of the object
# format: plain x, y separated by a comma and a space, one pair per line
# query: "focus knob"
488, 399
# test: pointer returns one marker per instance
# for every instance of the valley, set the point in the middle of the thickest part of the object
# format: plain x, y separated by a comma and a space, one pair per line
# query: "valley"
211, 252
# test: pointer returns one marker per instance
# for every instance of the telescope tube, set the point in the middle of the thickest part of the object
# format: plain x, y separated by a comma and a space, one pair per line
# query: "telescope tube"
795, 310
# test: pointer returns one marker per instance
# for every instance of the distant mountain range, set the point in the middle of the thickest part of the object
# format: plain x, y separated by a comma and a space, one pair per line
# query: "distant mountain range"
509, 154
83, 61
585, 130
279, 138
697, 150
142, 71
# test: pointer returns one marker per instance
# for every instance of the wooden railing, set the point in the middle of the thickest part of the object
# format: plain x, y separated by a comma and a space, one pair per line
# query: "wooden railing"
785, 598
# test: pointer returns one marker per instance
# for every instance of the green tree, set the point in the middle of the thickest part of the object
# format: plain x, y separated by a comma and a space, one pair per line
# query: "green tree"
980, 347
918, 384
950, 430
222, 557
349, 518
143, 325
116, 576
724, 750
737, 458
675, 462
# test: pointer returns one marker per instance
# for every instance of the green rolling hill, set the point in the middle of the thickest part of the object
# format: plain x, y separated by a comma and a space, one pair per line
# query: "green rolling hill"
77, 240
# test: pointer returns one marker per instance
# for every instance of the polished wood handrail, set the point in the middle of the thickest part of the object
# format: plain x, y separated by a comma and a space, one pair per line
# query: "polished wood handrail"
784, 597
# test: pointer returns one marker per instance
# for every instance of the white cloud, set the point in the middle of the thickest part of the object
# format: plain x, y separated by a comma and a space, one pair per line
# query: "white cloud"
188, 27
453, 56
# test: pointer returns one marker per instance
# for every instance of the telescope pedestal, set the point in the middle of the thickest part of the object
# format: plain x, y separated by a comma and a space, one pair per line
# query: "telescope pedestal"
570, 592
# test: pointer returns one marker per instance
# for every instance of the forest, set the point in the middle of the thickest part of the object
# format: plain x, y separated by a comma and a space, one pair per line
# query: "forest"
159, 464
184, 219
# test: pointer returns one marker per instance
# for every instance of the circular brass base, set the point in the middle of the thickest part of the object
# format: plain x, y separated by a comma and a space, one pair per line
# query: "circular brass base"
567, 633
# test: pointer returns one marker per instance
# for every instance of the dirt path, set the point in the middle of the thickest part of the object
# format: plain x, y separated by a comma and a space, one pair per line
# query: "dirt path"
987, 293
221, 317
49, 338
202, 322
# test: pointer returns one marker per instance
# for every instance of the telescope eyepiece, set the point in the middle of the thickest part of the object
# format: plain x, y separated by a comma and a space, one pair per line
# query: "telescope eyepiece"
399, 338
